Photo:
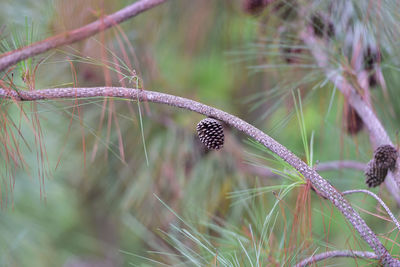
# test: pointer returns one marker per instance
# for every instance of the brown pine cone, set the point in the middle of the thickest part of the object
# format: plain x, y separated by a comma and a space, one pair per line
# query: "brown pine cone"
321, 26
375, 175
211, 133
354, 123
385, 157
254, 6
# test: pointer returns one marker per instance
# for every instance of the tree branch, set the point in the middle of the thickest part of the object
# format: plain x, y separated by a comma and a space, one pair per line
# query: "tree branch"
375, 128
380, 202
13, 57
321, 185
335, 254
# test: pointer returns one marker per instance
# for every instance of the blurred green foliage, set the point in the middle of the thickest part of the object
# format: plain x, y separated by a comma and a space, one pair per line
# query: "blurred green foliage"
103, 205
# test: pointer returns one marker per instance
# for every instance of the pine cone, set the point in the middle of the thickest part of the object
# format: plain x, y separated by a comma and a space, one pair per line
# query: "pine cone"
372, 80
354, 123
372, 58
385, 157
322, 26
211, 133
375, 175
254, 6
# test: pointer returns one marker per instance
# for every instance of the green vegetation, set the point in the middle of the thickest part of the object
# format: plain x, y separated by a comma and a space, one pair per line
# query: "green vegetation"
124, 183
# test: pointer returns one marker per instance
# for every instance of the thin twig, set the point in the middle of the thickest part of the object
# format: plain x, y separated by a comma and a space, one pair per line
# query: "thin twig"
320, 185
10, 58
335, 254
379, 200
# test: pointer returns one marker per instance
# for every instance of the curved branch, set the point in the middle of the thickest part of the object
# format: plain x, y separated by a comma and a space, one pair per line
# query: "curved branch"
321, 185
380, 202
375, 128
13, 57
335, 254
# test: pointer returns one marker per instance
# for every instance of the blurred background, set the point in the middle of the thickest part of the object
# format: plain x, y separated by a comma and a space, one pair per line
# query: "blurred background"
119, 183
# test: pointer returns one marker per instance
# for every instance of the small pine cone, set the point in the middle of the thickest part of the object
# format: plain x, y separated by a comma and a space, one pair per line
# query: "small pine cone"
211, 133
254, 7
374, 175
322, 26
372, 80
354, 123
371, 58
385, 157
